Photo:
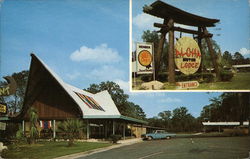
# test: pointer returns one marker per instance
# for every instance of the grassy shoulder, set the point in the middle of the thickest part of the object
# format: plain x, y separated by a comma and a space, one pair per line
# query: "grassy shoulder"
47, 150
240, 81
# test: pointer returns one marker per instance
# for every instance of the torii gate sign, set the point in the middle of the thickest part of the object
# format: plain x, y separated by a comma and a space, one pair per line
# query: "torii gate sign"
173, 15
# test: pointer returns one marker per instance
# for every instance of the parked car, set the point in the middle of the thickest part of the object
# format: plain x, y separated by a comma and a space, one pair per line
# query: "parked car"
158, 134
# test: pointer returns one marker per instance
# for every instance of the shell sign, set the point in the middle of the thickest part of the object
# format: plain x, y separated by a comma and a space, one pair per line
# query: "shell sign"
187, 55
144, 58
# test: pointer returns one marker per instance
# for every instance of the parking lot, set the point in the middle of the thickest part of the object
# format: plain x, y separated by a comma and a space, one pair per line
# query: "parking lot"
206, 148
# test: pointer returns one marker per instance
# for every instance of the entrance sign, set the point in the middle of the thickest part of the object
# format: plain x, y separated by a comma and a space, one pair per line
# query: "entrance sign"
187, 55
187, 84
144, 58
3, 109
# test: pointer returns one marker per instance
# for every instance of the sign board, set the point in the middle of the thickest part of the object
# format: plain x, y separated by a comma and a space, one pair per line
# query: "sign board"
144, 58
3, 108
187, 55
2, 126
187, 84
10, 88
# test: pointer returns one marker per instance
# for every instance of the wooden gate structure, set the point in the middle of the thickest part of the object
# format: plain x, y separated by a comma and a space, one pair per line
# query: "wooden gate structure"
173, 15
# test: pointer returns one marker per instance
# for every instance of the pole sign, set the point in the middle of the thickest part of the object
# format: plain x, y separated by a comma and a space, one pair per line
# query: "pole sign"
187, 85
187, 55
144, 58
3, 108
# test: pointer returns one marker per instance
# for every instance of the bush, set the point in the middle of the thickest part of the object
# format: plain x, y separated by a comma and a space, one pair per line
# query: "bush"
115, 138
146, 78
204, 77
226, 76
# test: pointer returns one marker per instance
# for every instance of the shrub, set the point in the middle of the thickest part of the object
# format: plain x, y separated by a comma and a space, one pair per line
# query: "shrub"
146, 78
72, 129
204, 77
115, 138
226, 76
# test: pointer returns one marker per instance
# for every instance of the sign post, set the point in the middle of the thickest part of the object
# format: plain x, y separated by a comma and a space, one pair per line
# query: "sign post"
144, 58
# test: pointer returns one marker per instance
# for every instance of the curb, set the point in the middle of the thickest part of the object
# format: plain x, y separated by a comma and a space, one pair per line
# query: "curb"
90, 152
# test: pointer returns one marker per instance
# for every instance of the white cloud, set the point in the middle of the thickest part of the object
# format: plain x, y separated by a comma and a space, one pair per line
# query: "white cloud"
146, 21
106, 72
73, 75
98, 54
123, 84
244, 51
170, 100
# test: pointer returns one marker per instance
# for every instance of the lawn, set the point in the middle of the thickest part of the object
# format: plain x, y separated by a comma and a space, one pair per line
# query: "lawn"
47, 150
240, 81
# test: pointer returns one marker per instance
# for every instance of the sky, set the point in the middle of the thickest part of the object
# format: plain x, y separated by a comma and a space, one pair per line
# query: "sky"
87, 42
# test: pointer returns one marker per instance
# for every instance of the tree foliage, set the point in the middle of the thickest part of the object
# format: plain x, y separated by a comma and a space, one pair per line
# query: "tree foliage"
120, 99
179, 120
33, 117
154, 37
230, 106
15, 102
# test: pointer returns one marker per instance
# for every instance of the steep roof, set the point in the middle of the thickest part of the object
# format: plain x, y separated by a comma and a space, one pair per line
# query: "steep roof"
165, 11
99, 105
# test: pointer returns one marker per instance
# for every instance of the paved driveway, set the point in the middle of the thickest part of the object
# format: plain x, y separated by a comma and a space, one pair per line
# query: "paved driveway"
206, 148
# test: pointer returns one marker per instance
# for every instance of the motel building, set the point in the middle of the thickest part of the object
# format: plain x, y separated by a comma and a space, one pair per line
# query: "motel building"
57, 101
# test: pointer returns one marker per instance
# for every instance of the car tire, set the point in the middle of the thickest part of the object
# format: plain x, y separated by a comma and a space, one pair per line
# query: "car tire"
168, 137
150, 138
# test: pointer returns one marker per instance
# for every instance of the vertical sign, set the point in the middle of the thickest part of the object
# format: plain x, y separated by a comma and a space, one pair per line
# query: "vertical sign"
144, 58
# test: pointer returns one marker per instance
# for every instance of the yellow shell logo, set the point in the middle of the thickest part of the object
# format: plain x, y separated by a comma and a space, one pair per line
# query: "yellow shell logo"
145, 58
187, 55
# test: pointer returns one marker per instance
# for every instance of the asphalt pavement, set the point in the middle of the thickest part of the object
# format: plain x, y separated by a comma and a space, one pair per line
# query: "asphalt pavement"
178, 148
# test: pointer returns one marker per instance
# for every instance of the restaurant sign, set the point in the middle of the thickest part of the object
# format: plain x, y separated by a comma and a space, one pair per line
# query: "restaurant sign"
144, 58
187, 55
3, 108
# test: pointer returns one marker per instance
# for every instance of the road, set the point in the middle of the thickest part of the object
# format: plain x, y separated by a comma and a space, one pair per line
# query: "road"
206, 148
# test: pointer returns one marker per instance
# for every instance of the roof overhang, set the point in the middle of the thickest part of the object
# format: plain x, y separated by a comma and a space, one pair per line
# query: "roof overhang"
166, 11
121, 117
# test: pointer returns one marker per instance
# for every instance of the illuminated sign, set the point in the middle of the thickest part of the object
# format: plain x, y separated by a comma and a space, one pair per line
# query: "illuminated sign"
3, 108
187, 55
144, 58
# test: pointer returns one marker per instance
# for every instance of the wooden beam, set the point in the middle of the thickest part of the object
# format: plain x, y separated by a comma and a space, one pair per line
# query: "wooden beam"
200, 46
180, 29
158, 54
171, 65
212, 53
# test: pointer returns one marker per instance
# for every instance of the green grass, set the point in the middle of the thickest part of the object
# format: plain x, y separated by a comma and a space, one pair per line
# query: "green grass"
47, 150
207, 148
240, 81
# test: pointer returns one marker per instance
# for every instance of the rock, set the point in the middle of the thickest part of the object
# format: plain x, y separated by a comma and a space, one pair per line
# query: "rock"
2, 147
153, 85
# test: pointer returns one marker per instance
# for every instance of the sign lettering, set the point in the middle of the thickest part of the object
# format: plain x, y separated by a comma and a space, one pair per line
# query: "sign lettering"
187, 55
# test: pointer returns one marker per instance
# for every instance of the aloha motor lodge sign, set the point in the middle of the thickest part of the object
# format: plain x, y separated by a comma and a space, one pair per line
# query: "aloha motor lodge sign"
144, 58
187, 55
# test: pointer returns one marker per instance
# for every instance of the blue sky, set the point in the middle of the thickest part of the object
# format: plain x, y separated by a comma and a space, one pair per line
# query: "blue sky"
87, 42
